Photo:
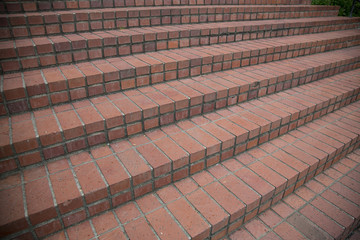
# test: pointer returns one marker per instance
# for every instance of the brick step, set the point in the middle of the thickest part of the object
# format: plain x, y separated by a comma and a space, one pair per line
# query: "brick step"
51, 86
11, 6
74, 21
70, 48
44, 134
326, 207
212, 56
211, 203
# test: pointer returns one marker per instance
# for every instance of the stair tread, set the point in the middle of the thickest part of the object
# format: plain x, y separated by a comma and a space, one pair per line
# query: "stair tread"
49, 50
280, 165
124, 114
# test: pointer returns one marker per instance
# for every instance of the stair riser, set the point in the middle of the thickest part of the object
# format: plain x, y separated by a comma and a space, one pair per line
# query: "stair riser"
64, 51
234, 221
85, 21
54, 145
26, 6
82, 84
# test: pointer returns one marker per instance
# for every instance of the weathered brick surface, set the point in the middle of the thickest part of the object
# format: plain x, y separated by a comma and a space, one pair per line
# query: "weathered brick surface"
207, 119
71, 127
326, 206
112, 175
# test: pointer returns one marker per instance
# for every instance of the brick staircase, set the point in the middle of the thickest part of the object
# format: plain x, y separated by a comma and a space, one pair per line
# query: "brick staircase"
174, 119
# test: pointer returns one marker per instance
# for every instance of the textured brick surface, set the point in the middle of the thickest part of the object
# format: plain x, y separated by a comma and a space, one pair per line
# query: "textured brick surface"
318, 217
87, 123
49, 50
85, 80
237, 189
178, 119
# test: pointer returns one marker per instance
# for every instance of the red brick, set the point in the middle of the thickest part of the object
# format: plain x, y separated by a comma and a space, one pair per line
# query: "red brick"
73, 75
270, 218
159, 162
284, 169
148, 203
258, 184
164, 224
13, 219
149, 108
40, 207
256, 228
270, 176
82, 230
48, 130
347, 193
189, 219
212, 145
54, 79
113, 234
195, 150
91, 182
139, 170
91, 118
139, 229
241, 234
168, 194
311, 161
99, 207
70, 124
93, 75
306, 228
104, 222
173, 151
48, 228
226, 138
65, 189
23, 136
216, 216
322, 221
285, 231
113, 117
333, 212
115, 175
13, 87
237, 187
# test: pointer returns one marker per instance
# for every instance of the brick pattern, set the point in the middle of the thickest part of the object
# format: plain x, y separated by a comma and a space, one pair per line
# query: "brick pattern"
230, 189
68, 128
11, 6
321, 209
75, 21
133, 119
52, 86
69, 48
